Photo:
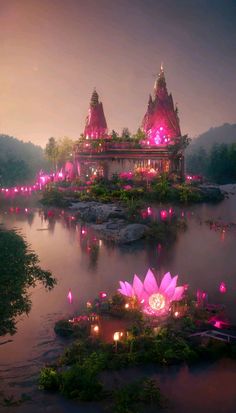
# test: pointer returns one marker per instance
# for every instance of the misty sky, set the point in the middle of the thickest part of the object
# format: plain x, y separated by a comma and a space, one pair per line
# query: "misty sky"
54, 52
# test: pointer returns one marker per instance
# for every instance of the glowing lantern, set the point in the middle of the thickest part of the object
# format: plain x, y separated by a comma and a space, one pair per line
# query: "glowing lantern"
116, 336
164, 214
69, 296
222, 288
102, 295
127, 305
95, 329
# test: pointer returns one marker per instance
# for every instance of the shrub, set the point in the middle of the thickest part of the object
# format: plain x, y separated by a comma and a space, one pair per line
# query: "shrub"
81, 382
49, 379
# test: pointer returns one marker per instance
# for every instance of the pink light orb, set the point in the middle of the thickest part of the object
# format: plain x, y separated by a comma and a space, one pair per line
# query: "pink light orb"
69, 296
149, 210
102, 294
164, 214
222, 288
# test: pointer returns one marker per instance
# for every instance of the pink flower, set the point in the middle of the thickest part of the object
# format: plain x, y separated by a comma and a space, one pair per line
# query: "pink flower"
154, 299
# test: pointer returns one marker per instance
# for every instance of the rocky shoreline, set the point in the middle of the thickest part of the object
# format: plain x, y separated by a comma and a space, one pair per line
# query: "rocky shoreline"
109, 221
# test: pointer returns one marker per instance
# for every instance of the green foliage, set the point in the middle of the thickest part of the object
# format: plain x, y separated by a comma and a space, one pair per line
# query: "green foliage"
81, 381
64, 328
218, 165
49, 379
58, 152
51, 152
144, 392
52, 196
19, 270
19, 161
165, 232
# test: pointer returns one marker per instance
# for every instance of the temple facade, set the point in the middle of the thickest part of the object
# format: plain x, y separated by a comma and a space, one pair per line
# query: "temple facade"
156, 149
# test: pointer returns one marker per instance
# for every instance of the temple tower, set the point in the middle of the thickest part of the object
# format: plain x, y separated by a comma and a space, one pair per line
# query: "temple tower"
96, 126
161, 122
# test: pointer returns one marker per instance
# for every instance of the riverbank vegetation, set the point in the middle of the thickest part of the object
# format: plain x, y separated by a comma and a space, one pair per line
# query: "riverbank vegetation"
88, 363
217, 164
20, 161
160, 189
19, 270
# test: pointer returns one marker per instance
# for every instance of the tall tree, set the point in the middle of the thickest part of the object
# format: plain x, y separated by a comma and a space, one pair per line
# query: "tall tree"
65, 150
52, 152
19, 270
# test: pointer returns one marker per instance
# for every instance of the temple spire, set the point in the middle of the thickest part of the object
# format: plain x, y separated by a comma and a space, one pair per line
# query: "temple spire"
94, 98
160, 89
96, 126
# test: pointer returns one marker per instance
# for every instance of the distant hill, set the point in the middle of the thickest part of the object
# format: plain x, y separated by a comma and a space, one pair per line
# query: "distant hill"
213, 155
19, 161
222, 134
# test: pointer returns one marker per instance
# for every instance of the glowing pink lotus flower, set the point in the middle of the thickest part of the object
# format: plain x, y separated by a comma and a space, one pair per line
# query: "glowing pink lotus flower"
154, 299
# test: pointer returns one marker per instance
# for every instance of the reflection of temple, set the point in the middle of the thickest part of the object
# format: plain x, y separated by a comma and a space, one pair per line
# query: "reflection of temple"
157, 150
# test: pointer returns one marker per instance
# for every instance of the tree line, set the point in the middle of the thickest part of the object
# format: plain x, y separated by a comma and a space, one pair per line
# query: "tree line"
218, 164
19, 161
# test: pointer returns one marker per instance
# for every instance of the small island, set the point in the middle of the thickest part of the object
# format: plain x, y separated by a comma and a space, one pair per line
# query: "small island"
144, 323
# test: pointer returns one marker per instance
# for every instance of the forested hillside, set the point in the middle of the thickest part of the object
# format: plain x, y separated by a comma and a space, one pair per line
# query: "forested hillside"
19, 161
222, 134
213, 155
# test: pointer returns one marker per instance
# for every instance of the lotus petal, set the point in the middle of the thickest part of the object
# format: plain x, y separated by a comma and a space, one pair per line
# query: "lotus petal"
171, 288
178, 294
129, 289
123, 290
137, 287
150, 283
166, 280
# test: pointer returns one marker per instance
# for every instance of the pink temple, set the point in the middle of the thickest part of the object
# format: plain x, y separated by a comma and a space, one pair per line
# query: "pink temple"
96, 126
161, 122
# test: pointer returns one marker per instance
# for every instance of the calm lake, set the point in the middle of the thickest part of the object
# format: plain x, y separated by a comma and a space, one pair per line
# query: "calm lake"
203, 256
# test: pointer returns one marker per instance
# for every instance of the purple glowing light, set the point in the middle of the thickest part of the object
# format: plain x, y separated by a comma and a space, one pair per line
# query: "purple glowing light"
155, 300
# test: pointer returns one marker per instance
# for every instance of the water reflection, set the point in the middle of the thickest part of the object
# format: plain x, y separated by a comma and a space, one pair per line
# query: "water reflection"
203, 256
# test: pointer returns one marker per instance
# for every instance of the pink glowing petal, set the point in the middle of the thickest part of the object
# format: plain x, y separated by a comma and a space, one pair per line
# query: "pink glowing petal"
137, 287
150, 283
166, 280
123, 288
178, 294
129, 289
171, 287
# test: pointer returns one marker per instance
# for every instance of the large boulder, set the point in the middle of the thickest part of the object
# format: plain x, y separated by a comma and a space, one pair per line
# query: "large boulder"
211, 193
97, 212
132, 232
